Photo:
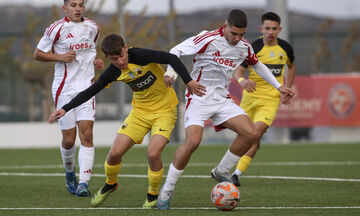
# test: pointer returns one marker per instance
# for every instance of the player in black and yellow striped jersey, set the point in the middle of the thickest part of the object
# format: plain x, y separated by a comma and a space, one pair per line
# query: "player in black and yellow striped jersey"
154, 108
260, 100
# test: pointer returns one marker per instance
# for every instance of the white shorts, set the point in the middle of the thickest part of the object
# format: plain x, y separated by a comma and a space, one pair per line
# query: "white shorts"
198, 112
85, 111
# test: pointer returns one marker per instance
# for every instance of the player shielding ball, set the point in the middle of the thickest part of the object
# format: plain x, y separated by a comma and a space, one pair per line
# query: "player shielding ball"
154, 108
260, 100
71, 44
216, 56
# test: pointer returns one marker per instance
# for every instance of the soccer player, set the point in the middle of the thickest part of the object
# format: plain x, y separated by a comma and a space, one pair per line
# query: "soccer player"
217, 54
260, 100
154, 108
71, 44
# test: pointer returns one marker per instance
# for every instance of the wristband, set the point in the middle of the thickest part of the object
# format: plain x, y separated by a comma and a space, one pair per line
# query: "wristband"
240, 79
171, 73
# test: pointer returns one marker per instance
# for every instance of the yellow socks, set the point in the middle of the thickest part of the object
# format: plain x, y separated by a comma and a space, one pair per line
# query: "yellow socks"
154, 181
111, 173
243, 163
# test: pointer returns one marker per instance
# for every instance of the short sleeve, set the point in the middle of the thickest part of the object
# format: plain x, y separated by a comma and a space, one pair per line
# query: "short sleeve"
251, 58
50, 36
45, 43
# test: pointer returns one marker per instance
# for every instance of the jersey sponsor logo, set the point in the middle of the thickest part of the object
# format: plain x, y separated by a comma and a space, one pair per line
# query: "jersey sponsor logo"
341, 100
275, 69
80, 46
143, 82
222, 61
225, 62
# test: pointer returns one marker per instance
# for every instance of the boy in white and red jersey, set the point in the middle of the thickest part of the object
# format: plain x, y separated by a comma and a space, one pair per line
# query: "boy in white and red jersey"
216, 56
71, 44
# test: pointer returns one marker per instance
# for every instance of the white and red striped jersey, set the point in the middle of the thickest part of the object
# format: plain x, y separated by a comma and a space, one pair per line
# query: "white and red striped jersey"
215, 61
63, 36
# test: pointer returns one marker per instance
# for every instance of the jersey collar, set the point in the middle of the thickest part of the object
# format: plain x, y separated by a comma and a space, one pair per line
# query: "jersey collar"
67, 19
221, 30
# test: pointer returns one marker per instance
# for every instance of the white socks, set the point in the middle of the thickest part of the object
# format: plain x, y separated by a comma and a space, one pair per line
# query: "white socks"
68, 156
238, 172
228, 162
171, 179
86, 160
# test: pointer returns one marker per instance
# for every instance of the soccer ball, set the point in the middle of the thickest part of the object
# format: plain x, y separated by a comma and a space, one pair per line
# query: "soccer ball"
225, 196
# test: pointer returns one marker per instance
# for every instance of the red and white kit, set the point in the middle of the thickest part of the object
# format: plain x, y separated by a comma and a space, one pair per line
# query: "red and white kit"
215, 61
71, 78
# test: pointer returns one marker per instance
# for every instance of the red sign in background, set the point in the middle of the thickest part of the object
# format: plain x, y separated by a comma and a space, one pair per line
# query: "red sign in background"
331, 100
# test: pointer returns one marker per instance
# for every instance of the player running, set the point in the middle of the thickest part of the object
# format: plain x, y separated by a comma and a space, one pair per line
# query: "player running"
154, 108
71, 44
217, 54
260, 100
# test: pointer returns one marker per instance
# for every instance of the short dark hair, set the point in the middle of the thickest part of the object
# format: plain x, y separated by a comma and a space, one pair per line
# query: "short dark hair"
112, 44
237, 18
270, 16
67, 1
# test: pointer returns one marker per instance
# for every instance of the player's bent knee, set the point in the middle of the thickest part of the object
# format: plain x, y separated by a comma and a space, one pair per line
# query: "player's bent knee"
192, 145
153, 156
68, 142
252, 136
114, 154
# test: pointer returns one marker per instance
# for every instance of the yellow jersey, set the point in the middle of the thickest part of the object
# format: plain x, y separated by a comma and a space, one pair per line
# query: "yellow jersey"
149, 91
275, 58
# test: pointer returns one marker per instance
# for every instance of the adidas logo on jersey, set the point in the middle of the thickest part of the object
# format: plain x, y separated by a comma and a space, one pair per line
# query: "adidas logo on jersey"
88, 171
69, 36
217, 53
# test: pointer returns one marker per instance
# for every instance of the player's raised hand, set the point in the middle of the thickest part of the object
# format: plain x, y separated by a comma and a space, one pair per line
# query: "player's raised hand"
56, 114
99, 64
287, 91
196, 88
68, 57
248, 85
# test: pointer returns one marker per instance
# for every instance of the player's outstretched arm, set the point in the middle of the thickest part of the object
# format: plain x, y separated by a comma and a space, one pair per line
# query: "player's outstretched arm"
56, 114
196, 88
43, 56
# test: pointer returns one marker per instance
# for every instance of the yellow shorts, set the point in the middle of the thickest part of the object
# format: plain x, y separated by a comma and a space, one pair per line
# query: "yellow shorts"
138, 124
260, 109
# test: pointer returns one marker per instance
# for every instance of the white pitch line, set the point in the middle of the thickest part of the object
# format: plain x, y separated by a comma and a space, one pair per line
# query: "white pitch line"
189, 176
290, 163
197, 208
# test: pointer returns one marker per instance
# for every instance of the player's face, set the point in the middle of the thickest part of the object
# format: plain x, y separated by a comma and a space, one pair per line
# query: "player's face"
233, 34
270, 29
120, 61
74, 10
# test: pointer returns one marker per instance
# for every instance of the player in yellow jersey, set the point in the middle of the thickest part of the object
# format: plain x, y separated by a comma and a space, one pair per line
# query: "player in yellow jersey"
154, 108
260, 100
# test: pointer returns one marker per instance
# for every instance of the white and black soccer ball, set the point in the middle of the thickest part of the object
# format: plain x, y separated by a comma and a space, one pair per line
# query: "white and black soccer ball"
225, 196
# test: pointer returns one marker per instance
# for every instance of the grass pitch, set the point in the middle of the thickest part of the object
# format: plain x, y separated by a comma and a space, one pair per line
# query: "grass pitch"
294, 179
